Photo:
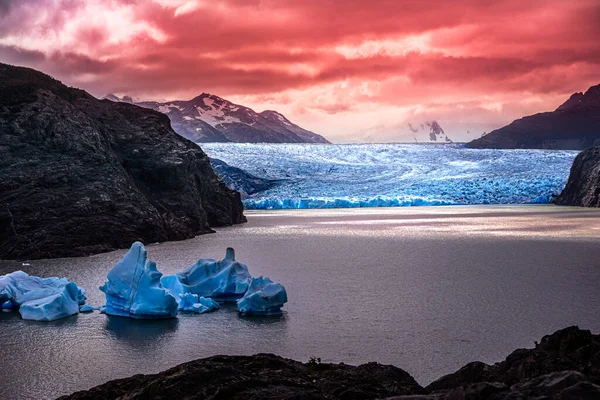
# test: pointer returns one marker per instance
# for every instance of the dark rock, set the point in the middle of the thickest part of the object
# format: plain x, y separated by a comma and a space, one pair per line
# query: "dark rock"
470, 373
580, 391
80, 175
569, 349
583, 186
547, 385
575, 125
565, 365
262, 376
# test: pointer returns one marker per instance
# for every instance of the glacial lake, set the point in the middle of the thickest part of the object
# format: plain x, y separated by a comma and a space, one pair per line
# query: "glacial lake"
427, 289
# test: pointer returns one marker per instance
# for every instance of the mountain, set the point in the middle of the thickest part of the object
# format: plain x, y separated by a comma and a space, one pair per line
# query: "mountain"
575, 125
80, 175
428, 131
209, 118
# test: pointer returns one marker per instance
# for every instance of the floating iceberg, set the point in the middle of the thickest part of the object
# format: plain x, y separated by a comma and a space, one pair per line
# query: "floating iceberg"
40, 299
225, 280
264, 297
197, 304
134, 290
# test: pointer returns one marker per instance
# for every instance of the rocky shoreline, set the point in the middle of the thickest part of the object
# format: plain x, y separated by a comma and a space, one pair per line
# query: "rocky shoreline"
564, 365
583, 186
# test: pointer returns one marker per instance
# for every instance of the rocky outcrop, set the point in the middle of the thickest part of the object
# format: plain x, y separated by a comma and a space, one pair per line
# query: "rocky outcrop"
80, 175
564, 365
210, 118
575, 125
583, 186
262, 376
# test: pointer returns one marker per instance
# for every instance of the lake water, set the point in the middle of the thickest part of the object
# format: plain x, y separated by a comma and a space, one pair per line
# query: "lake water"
427, 289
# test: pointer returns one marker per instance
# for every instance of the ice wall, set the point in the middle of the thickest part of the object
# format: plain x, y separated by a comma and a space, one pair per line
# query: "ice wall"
383, 175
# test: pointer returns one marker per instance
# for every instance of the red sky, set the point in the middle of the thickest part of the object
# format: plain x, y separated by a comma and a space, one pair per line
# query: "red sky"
350, 70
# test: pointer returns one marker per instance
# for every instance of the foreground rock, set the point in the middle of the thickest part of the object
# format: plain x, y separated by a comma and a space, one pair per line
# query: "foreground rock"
262, 376
572, 126
583, 187
80, 175
564, 365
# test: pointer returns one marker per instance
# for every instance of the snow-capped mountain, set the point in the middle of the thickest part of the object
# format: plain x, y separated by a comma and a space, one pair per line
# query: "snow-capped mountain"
209, 118
428, 131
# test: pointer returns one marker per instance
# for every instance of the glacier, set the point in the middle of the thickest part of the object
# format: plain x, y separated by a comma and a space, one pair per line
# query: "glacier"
394, 175
264, 297
224, 280
40, 299
133, 288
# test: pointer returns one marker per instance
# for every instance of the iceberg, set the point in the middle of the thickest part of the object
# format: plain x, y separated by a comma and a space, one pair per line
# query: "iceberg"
133, 288
264, 297
224, 280
197, 304
40, 299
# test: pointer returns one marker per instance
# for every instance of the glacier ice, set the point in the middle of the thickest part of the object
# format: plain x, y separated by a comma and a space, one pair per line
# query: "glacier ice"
197, 304
133, 288
40, 299
264, 297
384, 175
224, 280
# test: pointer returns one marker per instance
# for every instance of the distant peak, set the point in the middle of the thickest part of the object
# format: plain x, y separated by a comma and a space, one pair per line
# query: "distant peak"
117, 99
591, 98
111, 97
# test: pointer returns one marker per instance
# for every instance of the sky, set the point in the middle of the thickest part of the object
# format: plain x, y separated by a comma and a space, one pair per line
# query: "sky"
350, 70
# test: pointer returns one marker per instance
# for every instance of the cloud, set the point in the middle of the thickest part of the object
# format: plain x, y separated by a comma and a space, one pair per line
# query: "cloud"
338, 67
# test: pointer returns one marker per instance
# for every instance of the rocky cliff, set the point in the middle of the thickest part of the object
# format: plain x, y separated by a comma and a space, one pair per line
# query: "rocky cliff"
80, 175
575, 125
583, 186
564, 365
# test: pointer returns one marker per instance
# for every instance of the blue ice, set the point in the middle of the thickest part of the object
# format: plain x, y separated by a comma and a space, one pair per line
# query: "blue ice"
395, 175
197, 304
264, 297
224, 280
40, 299
133, 288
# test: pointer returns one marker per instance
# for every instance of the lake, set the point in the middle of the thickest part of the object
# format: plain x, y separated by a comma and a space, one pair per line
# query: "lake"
427, 289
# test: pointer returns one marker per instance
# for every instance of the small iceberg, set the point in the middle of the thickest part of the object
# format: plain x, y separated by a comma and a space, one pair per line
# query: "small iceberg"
264, 297
197, 304
134, 289
40, 299
224, 280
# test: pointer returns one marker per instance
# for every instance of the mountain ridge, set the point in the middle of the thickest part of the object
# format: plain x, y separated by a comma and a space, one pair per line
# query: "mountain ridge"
574, 125
210, 118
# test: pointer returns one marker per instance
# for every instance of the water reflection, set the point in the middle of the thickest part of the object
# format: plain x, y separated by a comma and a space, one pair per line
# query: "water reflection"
134, 332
